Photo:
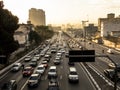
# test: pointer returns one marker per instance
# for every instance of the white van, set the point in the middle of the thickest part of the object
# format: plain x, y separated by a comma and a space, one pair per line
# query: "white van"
72, 75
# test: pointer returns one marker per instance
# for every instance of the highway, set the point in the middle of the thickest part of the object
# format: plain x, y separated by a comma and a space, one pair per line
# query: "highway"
91, 76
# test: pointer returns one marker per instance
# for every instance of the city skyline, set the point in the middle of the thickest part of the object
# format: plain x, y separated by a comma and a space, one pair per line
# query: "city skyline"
64, 11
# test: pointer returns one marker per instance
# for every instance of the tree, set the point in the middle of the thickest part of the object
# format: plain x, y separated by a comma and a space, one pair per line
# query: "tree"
40, 34
8, 25
34, 36
44, 32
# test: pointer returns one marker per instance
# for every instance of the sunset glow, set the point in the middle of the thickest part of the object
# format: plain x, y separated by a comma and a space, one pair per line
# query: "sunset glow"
64, 11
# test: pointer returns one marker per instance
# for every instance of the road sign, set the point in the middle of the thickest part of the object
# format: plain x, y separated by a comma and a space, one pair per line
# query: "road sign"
82, 56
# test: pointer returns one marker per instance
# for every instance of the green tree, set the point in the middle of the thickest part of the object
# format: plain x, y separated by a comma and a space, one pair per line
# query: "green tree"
34, 37
8, 25
44, 32
40, 34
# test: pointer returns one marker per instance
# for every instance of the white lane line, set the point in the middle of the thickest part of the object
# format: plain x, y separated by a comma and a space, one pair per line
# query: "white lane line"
60, 76
96, 71
24, 85
90, 77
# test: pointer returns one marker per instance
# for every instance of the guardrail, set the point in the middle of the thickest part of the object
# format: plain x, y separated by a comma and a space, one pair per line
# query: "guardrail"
6, 69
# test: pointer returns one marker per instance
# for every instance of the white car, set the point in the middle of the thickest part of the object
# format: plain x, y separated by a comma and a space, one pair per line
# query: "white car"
34, 80
37, 56
52, 72
16, 67
72, 75
27, 58
110, 51
40, 69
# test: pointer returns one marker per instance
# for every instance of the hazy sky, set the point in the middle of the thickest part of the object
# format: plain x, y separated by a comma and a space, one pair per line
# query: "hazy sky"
64, 11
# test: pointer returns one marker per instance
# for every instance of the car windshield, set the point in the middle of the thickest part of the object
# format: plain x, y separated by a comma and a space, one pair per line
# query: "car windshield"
40, 68
73, 73
33, 78
26, 69
52, 70
15, 65
44, 62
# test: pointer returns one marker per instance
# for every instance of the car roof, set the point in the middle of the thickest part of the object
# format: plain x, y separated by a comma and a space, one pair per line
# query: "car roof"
41, 65
17, 63
73, 69
12, 81
53, 67
28, 67
35, 74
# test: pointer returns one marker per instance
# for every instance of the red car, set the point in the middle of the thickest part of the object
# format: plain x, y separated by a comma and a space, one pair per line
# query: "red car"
27, 71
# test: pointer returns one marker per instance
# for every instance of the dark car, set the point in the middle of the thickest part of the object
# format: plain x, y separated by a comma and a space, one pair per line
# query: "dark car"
33, 63
53, 84
27, 71
110, 73
10, 85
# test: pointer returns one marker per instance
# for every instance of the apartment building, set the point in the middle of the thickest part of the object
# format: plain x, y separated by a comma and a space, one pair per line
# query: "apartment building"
109, 26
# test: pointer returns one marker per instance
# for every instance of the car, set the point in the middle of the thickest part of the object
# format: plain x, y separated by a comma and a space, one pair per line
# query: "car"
52, 73
10, 85
110, 51
27, 71
67, 54
37, 56
42, 53
47, 56
112, 66
44, 59
34, 80
53, 84
57, 60
80, 47
44, 63
33, 62
27, 58
72, 75
40, 69
16, 67
53, 50
62, 51
110, 74
59, 54
49, 53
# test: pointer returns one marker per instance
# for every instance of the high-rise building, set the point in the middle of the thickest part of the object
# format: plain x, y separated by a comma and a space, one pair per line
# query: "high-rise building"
37, 17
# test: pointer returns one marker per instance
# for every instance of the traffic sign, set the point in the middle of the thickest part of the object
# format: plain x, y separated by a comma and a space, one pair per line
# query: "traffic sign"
82, 56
